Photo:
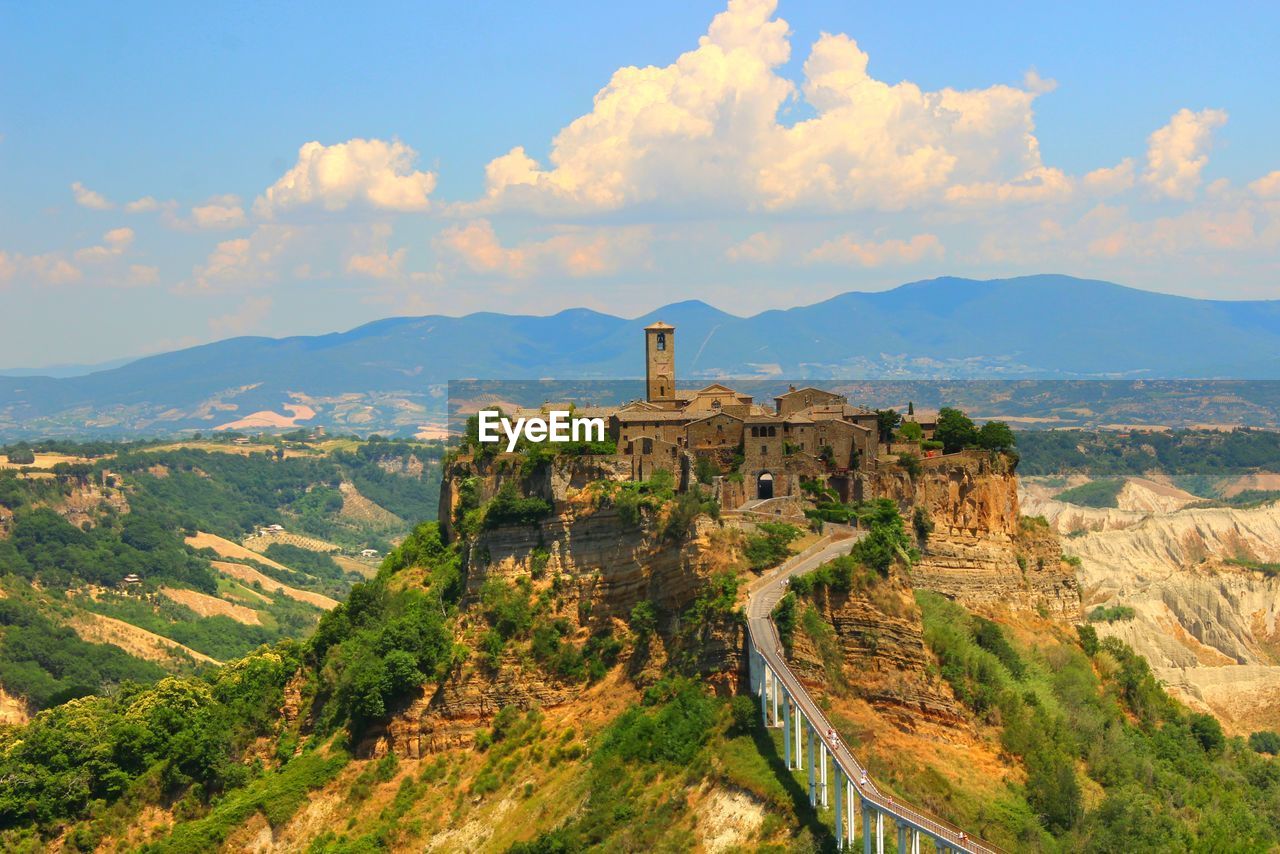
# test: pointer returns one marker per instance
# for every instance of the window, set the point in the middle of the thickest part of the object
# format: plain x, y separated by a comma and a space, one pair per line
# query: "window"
662, 341
764, 450
715, 404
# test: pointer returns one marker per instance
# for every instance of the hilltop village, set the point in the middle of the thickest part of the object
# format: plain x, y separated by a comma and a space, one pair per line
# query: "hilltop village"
807, 433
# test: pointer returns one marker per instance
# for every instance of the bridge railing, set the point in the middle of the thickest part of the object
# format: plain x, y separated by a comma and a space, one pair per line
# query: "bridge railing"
951, 835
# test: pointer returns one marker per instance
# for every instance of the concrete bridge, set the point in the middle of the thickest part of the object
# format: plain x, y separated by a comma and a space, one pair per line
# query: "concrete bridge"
809, 740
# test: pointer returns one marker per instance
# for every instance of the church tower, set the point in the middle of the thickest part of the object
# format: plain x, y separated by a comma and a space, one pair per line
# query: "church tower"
660, 363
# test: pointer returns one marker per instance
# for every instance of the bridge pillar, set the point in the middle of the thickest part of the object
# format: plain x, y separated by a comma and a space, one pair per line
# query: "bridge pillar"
822, 752
853, 813
766, 676
866, 826
902, 838
776, 689
813, 790
799, 733
839, 811
915, 841
786, 730
879, 832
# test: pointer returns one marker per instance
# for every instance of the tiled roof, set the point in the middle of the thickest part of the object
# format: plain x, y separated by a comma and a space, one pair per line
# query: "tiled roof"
646, 417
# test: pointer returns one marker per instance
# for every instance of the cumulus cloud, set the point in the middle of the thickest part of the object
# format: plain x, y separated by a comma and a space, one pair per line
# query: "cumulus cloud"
360, 172
1268, 186
1109, 181
249, 315
759, 248
378, 265
1178, 152
475, 247
143, 274
91, 199
146, 204
220, 212
243, 261
114, 243
848, 249
49, 268
705, 128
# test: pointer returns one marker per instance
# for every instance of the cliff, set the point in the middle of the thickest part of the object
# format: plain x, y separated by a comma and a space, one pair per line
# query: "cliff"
1207, 620
976, 546
879, 656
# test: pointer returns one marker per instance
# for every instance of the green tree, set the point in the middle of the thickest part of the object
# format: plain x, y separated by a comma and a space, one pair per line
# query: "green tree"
955, 430
911, 431
887, 421
21, 455
996, 436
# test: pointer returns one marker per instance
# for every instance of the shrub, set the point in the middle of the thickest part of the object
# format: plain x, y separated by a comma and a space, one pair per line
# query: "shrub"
910, 464
1266, 741
1113, 614
769, 546
508, 508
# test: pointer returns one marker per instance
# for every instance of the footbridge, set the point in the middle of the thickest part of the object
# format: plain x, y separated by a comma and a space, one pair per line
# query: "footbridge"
785, 703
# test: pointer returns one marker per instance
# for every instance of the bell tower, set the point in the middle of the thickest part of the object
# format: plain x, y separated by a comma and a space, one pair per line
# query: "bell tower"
660, 363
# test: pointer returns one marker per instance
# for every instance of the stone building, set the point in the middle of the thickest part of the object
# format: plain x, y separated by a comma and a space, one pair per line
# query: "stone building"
807, 432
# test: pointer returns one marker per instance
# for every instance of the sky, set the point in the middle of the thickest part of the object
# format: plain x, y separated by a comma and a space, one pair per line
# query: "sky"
173, 174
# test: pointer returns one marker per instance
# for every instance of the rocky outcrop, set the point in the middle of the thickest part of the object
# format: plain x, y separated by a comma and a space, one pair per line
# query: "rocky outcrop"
590, 567
976, 546
883, 658
1209, 627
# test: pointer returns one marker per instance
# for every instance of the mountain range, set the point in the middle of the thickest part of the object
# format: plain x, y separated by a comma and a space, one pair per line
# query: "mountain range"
390, 374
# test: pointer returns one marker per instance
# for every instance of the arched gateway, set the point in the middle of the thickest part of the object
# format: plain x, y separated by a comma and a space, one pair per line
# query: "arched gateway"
764, 485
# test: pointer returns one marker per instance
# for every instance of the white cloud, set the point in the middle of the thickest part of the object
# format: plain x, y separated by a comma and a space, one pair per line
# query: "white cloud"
1108, 181
244, 261
248, 316
378, 265
114, 243
49, 268
705, 129
220, 212
360, 172
146, 204
143, 274
87, 198
475, 247
1178, 152
759, 248
848, 249
1268, 186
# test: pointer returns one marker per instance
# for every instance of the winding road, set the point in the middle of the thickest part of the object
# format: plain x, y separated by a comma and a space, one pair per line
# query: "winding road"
764, 595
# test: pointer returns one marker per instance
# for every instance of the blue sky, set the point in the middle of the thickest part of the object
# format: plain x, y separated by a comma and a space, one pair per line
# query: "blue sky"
155, 191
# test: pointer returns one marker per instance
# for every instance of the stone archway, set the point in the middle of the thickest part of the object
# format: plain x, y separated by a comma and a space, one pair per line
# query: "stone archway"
764, 485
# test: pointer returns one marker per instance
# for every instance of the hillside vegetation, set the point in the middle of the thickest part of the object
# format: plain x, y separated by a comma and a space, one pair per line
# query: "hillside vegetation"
101, 589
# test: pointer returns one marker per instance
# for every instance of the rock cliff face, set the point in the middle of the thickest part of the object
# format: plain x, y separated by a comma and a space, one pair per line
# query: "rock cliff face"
978, 549
882, 659
593, 568
1210, 628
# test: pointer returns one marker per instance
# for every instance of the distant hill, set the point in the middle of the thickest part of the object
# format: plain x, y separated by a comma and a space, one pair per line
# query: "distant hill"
389, 375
